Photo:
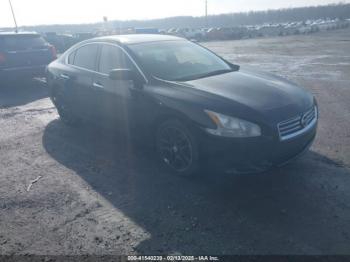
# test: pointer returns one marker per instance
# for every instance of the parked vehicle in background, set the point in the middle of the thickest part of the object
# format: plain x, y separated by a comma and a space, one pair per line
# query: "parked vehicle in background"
123, 31
190, 33
60, 41
24, 54
83, 36
187, 102
146, 31
198, 34
172, 31
220, 33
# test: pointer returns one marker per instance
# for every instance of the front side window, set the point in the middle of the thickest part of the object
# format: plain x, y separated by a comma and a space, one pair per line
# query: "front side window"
178, 60
112, 57
85, 57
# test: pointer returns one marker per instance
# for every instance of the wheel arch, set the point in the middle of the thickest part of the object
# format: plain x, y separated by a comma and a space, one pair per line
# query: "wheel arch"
171, 116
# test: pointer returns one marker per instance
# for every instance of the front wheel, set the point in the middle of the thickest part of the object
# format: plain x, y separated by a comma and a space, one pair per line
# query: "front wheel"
177, 148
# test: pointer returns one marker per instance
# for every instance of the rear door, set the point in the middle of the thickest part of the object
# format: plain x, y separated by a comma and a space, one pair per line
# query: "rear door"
25, 50
77, 77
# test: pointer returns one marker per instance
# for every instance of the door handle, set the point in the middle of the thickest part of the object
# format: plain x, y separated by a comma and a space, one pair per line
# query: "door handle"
65, 77
97, 85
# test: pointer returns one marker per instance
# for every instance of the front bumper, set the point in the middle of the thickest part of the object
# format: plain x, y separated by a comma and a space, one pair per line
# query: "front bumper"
252, 155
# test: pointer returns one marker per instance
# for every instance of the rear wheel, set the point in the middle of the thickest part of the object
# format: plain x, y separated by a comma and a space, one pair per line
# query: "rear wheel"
177, 148
65, 111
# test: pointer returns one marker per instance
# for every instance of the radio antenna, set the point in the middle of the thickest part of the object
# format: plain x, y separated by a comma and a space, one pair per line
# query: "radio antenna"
206, 13
14, 17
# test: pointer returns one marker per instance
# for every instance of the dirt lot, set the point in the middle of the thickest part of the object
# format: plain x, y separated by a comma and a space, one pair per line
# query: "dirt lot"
99, 195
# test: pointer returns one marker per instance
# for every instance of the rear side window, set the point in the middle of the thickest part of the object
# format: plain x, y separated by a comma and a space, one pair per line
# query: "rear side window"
21, 42
85, 57
113, 57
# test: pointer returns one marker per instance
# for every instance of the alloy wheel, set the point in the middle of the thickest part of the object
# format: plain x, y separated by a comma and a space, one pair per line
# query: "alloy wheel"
175, 148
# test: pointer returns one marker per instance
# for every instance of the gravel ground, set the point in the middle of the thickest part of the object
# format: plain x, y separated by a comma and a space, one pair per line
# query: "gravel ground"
97, 194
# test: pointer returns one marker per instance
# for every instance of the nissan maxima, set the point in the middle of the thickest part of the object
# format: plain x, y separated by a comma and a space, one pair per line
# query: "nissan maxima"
191, 105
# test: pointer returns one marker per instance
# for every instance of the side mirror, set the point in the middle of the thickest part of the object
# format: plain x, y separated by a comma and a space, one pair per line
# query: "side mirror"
122, 74
127, 75
235, 67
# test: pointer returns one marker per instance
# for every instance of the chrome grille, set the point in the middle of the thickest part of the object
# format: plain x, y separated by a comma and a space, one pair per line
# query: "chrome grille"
297, 125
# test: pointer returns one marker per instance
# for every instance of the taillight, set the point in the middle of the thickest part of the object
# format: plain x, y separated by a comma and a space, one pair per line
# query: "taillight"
2, 58
53, 52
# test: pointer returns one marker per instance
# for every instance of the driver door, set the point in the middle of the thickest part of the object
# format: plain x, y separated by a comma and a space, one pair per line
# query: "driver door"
113, 97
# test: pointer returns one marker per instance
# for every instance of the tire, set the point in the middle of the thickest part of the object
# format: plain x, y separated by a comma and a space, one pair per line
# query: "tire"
65, 112
177, 148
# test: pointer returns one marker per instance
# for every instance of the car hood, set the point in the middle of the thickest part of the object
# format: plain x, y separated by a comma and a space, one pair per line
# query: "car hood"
259, 91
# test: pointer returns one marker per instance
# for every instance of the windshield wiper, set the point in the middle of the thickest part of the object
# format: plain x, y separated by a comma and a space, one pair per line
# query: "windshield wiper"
213, 73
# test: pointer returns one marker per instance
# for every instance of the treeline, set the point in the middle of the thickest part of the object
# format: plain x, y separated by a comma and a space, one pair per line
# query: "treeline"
341, 11
334, 11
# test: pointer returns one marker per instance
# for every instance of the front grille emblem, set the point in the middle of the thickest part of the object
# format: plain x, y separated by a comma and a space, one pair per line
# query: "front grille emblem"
303, 121
297, 125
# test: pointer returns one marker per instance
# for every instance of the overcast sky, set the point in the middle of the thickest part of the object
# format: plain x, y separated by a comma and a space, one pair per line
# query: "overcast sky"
34, 12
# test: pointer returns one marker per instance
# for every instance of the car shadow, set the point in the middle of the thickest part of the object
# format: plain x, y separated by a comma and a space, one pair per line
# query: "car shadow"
290, 210
20, 92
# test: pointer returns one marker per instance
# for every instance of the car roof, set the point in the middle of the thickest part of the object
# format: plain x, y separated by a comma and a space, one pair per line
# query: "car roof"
139, 38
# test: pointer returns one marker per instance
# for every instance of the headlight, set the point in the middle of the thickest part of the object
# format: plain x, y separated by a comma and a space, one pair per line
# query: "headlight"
228, 126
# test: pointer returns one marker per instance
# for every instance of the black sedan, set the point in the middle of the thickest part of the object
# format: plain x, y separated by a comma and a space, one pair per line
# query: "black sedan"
186, 101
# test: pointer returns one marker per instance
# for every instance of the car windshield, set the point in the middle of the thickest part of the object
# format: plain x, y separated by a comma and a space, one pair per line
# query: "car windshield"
179, 60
